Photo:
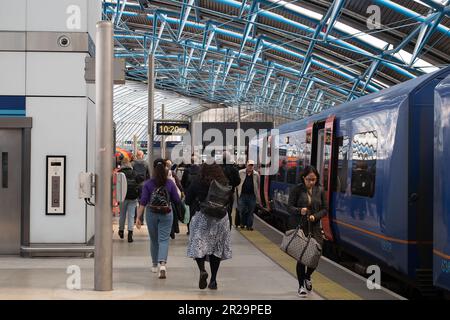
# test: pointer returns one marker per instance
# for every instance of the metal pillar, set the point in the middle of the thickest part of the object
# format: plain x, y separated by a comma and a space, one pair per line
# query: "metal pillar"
104, 159
191, 120
239, 133
151, 108
163, 138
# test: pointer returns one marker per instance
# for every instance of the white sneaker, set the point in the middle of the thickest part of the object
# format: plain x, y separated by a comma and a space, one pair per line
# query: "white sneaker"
154, 269
308, 285
302, 292
162, 272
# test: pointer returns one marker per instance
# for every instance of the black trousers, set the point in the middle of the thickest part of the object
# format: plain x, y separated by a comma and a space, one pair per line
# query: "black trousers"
303, 273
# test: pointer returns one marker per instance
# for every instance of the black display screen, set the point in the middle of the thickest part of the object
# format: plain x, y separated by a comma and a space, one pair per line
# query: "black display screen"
171, 129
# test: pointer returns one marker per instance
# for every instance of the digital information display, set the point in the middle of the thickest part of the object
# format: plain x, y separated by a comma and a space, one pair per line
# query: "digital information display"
171, 128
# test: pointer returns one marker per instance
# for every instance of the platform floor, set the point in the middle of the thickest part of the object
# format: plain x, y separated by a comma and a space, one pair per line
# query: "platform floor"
250, 274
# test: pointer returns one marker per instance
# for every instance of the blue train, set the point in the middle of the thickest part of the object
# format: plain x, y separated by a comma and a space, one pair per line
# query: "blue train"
375, 156
441, 218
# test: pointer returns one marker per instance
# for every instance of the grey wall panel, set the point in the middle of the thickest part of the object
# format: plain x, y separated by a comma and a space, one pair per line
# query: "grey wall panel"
12, 15
55, 74
57, 41
12, 73
58, 15
12, 41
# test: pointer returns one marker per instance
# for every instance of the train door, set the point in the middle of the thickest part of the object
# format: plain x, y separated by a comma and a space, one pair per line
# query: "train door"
10, 191
319, 140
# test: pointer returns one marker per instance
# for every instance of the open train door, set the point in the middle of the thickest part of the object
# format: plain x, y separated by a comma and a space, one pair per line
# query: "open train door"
326, 172
319, 153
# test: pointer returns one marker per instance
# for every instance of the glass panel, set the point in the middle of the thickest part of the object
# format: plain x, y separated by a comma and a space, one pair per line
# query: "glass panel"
364, 157
343, 148
326, 158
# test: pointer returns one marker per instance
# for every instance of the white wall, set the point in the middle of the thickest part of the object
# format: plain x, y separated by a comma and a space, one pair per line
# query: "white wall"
56, 74
12, 73
12, 15
59, 128
61, 104
57, 15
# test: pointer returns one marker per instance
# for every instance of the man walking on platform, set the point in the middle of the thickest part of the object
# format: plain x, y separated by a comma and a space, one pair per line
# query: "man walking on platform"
248, 192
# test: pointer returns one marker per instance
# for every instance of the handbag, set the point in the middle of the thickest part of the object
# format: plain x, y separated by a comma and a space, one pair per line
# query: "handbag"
304, 249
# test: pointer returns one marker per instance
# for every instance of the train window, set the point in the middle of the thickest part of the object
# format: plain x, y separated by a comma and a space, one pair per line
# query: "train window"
364, 157
282, 170
342, 168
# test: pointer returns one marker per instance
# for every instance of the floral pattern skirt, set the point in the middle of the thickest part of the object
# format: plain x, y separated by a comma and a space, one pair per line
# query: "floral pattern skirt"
209, 236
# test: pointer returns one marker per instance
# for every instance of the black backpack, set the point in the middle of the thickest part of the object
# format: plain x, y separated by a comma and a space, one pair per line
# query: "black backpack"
141, 169
160, 200
132, 184
217, 200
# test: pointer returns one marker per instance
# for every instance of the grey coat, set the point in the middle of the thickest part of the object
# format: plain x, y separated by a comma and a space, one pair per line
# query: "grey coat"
298, 199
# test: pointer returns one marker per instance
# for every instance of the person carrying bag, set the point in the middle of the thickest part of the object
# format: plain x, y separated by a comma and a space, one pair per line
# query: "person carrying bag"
307, 206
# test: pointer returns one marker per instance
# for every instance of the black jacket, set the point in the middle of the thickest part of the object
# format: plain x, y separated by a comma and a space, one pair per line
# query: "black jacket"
298, 199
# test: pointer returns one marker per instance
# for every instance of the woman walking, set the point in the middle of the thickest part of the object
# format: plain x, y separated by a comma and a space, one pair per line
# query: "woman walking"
307, 204
157, 194
209, 238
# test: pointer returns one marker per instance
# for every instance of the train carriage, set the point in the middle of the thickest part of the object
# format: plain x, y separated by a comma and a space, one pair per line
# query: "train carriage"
441, 241
375, 157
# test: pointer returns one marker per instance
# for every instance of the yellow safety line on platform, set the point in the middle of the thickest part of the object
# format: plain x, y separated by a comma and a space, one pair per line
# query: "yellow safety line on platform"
323, 285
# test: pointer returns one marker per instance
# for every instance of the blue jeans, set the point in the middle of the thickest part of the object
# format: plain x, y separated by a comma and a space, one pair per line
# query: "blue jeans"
247, 204
127, 207
159, 226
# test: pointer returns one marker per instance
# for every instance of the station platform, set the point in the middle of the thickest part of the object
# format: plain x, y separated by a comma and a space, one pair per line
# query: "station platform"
258, 270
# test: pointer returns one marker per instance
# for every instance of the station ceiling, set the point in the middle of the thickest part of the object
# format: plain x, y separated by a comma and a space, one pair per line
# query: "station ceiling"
289, 58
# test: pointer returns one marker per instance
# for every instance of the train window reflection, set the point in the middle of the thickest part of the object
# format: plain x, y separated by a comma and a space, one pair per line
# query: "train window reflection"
364, 157
343, 148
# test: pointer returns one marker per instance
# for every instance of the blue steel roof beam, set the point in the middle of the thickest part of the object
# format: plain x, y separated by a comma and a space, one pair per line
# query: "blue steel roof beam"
184, 14
208, 36
327, 20
305, 93
317, 104
333, 40
275, 84
284, 85
253, 13
214, 81
268, 74
410, 14
273, 16
228, 63
119, 10
286, 69
426, 31
335, 10
281, 49
242, 8
258, 49
432, 4
197, 11
187, 61
156, 40
249, 83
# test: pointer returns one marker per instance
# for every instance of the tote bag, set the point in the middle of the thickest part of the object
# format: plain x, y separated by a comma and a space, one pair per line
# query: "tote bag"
302, 248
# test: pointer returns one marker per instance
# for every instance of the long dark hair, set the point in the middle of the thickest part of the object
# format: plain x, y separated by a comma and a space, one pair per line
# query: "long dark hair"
308, 170
160, 172
210, 172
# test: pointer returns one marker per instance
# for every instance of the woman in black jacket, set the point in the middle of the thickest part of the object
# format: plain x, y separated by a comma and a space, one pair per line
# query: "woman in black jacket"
209, 238
307, 204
